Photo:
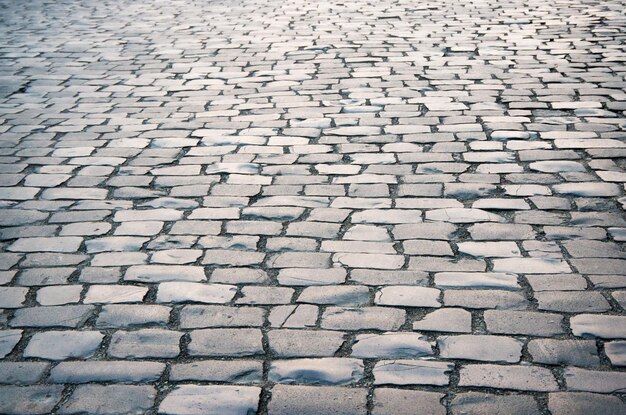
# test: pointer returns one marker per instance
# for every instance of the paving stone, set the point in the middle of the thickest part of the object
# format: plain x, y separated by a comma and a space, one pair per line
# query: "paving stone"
29, 400
8, 340
572, 302
461, 215
230, 371
144, 343
52, 244
599, 266
114, 294
564, 352
485, 280
524, 378
411, 372
177, 292
389, 401
428, 231
408, 296
373, 318
106, 371
164, 273
292, 316
215, 399
505, 231
53, 316
308, 277
342, 295
391, 345
298, 343
22, 373
454, 320
604, 327
59, 294
479, 299
322, 371
115, 243
578, 403
489, 249
110, 399
114, 315
531, 265
225, 342
61, 345
486, 403
198, 316
616, 352
308, 400
523, 322
12, 297
480, 347
594, 380
265, 295
299, 260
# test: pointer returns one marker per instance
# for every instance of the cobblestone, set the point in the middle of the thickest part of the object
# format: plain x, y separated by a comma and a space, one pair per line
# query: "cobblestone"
312, 207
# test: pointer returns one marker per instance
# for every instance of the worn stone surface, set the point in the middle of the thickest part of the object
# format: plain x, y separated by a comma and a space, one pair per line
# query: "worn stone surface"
109, 400
301, 207
310, 400
218, 399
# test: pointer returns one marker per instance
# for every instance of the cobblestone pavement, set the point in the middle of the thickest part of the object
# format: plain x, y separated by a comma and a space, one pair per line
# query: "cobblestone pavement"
312, 207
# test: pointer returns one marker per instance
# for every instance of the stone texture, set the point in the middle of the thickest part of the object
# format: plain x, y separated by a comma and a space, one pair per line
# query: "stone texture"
418, 205
217, 399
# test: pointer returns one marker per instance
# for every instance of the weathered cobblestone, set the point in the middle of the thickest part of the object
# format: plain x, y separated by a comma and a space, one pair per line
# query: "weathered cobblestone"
312, 207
